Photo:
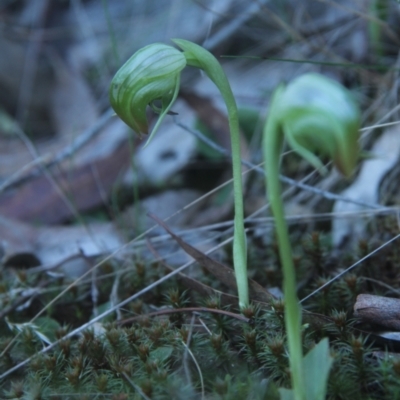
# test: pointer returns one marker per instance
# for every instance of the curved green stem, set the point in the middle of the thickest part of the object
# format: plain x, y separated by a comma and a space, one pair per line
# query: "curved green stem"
197, 56
239, 241
272, 145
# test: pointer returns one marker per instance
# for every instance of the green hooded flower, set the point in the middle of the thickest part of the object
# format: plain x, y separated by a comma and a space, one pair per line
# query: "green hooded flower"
317, 114
152, 73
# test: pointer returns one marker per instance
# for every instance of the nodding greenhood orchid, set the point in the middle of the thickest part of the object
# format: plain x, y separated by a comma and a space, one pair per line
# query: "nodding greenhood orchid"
317, 114
313, 114
153, 74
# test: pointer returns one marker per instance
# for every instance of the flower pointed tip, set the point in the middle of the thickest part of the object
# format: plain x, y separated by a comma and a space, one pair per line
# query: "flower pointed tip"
177, 41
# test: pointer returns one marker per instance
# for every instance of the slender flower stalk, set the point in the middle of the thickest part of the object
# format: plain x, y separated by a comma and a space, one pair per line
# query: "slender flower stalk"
314, 114
153, 74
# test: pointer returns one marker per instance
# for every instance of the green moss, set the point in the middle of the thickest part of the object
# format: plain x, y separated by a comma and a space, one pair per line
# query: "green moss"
228, 358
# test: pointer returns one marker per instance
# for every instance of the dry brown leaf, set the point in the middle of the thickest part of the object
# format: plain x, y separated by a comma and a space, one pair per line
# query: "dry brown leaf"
39, 201
66, 249
223, 273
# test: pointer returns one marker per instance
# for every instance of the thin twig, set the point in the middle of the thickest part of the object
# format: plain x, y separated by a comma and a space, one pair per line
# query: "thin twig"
76, 145
198, 369
136, 387
158, 313
187, 351
234, 25
349, 268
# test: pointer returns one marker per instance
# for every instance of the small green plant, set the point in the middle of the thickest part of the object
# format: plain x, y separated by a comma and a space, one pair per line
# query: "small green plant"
153, 74
313, 114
